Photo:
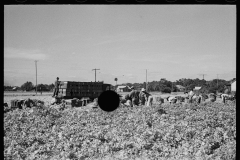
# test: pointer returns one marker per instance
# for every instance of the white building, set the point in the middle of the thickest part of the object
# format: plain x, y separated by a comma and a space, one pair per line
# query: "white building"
123, 89
233, 86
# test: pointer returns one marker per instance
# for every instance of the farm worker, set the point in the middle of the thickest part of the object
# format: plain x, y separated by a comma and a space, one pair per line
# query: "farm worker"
171, 99
212, 97
126, 100
143, 96
203, 96
150, 100
159, 100
190, 95
224, 97
196, 98
56, 87
180, 99
134, 96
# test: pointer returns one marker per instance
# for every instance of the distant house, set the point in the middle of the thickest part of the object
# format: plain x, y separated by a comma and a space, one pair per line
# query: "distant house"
123, 89
230, 87
15, 88
197, 88
233, 86
180, 88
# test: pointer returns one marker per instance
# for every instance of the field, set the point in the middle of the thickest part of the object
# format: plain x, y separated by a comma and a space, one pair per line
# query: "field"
179, 131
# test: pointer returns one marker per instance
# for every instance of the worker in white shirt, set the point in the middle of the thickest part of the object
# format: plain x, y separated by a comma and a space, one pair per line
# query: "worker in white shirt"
143, 96
191, 93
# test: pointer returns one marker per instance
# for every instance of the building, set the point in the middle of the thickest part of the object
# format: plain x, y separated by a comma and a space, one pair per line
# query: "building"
233, 86
230, 87
180, 88
123, 89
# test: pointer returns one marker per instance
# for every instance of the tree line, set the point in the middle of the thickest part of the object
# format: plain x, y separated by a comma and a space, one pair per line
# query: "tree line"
163, 85
29, 86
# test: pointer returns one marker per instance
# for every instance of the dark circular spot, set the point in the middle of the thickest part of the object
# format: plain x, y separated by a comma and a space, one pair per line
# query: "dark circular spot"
108, 101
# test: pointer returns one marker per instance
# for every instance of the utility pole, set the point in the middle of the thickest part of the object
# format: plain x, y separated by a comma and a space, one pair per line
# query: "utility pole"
95, 73
146, 79
217, 80
36, 74
203, 76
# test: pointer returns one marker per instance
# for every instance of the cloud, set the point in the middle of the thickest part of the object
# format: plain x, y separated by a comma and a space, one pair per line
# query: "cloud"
24, 54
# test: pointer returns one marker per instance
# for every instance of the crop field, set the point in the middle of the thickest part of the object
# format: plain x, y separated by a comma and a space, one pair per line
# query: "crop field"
167, 132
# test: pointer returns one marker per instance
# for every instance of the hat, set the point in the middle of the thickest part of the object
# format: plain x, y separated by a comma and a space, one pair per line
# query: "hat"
143, 89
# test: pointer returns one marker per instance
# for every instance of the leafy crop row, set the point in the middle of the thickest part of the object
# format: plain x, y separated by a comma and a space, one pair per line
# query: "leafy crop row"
190, 131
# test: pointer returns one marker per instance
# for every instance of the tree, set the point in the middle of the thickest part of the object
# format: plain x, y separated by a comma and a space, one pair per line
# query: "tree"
28, 86
51, 86
212, 90
166, 90
43, 87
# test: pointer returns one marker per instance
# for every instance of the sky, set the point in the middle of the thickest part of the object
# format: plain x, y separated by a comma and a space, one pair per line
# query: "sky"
123, 41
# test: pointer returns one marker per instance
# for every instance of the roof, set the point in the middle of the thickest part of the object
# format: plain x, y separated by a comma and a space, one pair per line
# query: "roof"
179, 86
233, 81
197, 88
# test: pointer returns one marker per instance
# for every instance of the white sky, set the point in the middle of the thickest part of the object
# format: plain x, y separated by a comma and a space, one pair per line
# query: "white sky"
171, 41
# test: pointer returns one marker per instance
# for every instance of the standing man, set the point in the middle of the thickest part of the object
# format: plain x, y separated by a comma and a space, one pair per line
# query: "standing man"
190, 95
56, 87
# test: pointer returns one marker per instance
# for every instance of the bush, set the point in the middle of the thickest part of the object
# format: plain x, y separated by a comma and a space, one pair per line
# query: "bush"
212, 90
166, 90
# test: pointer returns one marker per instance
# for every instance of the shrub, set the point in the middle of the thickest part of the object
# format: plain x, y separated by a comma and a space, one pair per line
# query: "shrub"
212, 90
166, 90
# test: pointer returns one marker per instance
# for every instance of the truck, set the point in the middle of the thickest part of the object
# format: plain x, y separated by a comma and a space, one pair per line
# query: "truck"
91, 90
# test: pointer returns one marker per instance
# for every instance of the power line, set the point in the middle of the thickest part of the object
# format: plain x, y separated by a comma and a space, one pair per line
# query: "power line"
95, 72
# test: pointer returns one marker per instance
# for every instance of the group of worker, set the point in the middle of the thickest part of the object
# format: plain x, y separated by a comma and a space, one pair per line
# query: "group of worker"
136, 98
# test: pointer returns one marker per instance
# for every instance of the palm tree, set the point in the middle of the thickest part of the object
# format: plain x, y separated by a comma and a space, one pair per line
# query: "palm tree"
115, 79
